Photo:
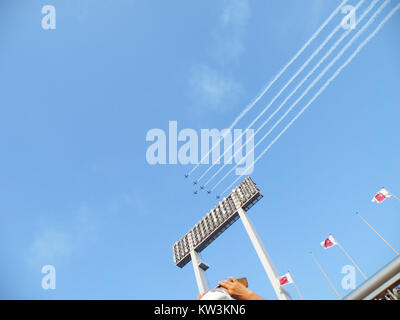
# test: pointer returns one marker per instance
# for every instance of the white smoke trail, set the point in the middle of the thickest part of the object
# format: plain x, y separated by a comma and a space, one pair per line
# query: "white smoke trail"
253, 103
274, 99
338, 71
297, 87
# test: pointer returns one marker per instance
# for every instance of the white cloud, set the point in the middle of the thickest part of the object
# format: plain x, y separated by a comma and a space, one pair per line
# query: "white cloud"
85, 227
236, 12
231, 31
130, 201
54, 243
212, 90
49, 246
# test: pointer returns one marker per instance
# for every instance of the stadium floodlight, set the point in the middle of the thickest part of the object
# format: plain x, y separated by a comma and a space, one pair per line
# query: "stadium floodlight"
215, 222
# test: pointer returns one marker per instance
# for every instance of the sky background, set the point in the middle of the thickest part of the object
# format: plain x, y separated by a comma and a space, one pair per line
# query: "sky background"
77, 102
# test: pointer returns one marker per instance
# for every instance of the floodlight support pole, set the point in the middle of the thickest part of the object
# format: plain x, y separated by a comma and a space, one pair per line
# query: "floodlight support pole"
199, 272
264, 257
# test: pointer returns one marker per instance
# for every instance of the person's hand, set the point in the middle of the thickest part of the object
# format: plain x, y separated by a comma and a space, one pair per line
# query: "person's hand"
201, 295
238, 291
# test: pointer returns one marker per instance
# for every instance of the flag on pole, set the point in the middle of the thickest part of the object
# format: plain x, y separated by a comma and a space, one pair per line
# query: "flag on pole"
285, 279
381, 196
328, 242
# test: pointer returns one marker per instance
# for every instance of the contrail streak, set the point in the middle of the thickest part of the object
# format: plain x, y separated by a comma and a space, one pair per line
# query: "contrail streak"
298, 86
338, 71
252, 104
275, 98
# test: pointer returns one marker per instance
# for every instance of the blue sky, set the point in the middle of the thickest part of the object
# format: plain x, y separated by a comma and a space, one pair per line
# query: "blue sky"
77, 102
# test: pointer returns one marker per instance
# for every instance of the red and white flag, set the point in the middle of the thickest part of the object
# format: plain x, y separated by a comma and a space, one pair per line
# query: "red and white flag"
328, 242
285, 279
381, 196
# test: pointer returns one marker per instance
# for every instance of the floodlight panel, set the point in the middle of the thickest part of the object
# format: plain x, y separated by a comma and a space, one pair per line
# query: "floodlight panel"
220, 218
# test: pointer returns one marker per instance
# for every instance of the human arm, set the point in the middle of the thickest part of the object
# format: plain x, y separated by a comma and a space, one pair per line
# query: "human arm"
238, 291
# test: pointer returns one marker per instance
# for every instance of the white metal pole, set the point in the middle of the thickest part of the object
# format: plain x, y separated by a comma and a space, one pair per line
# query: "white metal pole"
295, 285
266, 261
377, 233
199, 273
351, 260
325, 275
394, 196
298, 291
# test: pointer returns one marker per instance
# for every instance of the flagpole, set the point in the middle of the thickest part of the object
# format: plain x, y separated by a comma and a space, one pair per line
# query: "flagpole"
394, 196
351, 260
323, 272
295, 285
377, 234
298, 291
